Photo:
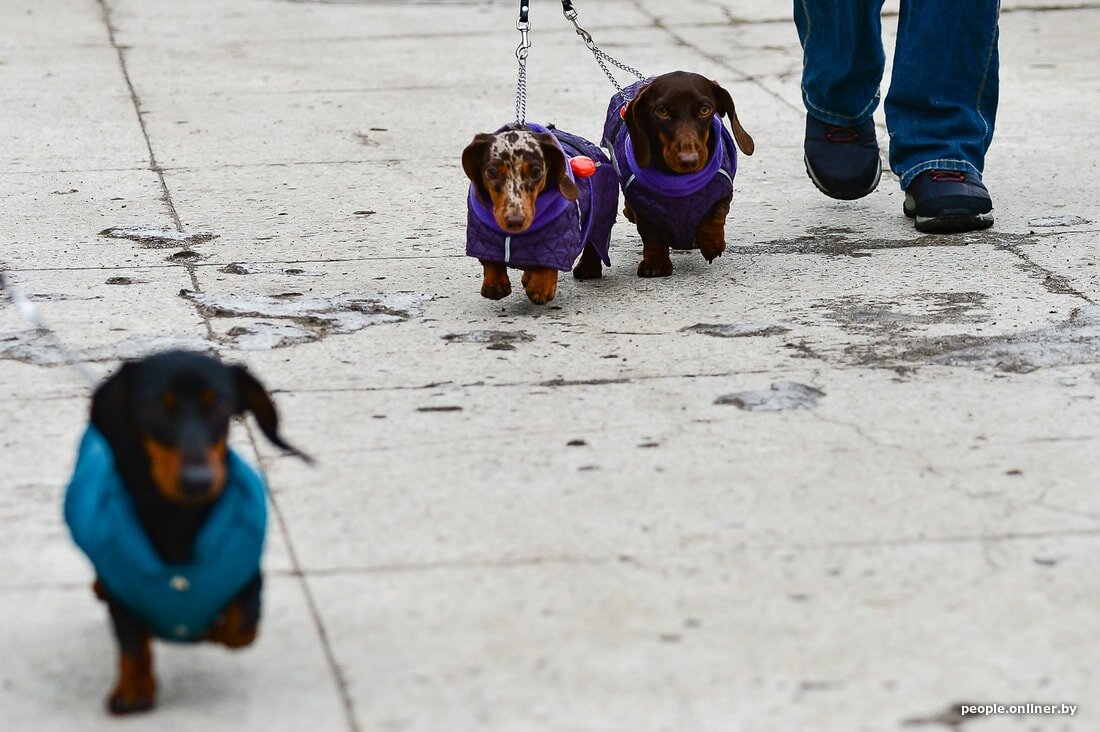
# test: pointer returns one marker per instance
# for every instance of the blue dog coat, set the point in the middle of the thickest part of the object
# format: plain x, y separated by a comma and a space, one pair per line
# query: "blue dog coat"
679, 201
177, 601
561, 227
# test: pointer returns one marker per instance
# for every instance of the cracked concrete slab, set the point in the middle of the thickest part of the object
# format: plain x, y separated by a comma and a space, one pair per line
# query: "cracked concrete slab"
538, 517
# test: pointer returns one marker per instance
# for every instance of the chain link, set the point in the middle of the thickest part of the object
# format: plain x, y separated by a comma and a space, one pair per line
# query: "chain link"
524, 48
601, 56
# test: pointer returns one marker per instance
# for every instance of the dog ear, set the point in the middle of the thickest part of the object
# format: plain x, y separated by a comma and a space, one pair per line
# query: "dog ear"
253, 397
637, 121
726, 109
473, 159
556, 166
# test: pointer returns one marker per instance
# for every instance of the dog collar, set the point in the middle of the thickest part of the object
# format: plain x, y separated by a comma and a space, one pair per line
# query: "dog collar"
177, 601
678, 184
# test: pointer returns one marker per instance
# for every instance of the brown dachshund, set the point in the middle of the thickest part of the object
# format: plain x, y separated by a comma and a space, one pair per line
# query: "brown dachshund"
515, 174
676, 163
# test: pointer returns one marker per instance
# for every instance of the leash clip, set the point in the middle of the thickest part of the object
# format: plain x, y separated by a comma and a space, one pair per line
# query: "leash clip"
524, 28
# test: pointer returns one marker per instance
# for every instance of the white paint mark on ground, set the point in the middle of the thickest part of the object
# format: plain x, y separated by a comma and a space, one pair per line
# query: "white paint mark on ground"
296, 318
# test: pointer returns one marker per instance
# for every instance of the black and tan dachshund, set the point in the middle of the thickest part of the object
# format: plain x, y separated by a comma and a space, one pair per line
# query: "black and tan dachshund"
166, 419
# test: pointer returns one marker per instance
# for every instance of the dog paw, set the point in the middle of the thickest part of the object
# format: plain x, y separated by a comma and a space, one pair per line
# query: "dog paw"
655, 268
711, 250
232, 630
131, 699
541, 295
590, 267
541, 285
588, 271
496, 290
628, 212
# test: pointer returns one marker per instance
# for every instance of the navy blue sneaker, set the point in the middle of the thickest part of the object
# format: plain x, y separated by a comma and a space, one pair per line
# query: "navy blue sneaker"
948, 201
843, 162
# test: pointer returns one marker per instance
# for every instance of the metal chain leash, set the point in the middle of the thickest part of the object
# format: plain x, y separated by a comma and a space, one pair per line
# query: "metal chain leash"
523, 25
601, 56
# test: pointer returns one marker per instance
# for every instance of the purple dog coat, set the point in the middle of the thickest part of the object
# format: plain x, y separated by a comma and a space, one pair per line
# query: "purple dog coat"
678, 200
561, 227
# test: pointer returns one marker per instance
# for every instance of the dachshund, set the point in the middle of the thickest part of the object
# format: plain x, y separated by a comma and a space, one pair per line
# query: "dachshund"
539, 197
172, 519
676, 162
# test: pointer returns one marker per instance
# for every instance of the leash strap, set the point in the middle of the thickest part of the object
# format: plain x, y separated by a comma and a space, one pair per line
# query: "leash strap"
29, 311
601, 56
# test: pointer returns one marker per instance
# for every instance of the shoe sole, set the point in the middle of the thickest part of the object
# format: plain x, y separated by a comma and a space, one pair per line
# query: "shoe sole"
841, 196
953, 223
949, 222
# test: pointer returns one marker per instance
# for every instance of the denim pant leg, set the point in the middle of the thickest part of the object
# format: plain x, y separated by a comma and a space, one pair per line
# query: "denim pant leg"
942, 101
842, 58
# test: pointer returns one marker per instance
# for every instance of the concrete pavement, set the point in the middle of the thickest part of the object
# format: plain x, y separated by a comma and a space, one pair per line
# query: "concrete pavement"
860, 492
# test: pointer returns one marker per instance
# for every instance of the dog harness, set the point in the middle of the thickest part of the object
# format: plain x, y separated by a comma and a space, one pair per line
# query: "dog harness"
178, 602
561, 227
678, 200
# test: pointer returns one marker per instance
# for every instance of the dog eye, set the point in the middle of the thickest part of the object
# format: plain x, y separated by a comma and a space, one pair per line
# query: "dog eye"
662, 112
705, 110
492, 172
536, 171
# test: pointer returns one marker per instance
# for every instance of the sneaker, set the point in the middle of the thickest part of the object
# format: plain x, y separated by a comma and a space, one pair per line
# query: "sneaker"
948, 201
843, 162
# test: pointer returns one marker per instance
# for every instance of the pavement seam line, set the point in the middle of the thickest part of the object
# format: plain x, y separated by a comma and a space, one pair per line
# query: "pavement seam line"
680, 40
154, 166
311, 602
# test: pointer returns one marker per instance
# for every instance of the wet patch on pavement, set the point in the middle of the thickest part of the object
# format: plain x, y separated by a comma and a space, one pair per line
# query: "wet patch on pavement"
878, 315
251, 268
495, 340
781, 396
845, 242
1073, 342
155, 238
736, 330
1053, 220
290, 318
32, 347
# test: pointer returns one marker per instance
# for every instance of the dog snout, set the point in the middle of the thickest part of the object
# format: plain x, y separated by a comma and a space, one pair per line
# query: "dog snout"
514, 221
688, 159
197, 479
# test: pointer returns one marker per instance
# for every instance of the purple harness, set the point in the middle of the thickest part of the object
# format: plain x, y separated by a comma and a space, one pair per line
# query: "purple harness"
678, 201
561, 227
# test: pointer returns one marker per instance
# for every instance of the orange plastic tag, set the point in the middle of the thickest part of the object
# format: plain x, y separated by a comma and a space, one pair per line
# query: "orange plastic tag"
583, 167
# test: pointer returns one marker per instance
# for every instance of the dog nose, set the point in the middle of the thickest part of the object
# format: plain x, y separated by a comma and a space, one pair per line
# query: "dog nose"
514, 222
688, 159
196, 480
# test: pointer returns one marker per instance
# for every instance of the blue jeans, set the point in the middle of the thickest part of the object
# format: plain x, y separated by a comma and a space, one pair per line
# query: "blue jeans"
942, 101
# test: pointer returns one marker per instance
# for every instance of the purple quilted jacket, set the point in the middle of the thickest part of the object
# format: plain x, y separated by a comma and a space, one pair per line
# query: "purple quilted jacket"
561, 227
678, 200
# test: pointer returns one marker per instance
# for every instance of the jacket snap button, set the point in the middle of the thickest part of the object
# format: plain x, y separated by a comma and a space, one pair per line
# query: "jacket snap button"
180, 631
179, 583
